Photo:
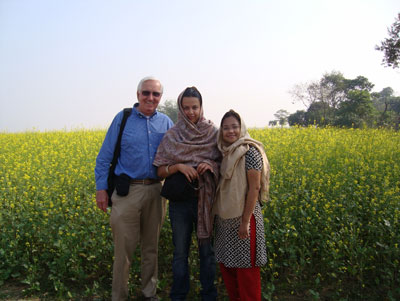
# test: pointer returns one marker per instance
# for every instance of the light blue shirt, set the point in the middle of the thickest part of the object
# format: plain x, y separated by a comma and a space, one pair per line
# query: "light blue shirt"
141, 136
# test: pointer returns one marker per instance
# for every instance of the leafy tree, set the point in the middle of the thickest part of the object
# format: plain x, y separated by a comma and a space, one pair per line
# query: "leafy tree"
395, 107
319, 113
382, 102
360, 83
169, 108
273, 122
391, 45
298, 118
281, 117
323, 99
388, 107
306, 93
333, 88
329, 89
357, 111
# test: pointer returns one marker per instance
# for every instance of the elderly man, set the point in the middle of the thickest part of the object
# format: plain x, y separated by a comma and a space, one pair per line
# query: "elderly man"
137, 216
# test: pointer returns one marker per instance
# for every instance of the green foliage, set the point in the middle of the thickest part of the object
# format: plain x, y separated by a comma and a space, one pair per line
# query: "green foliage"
169, 108
281, 118
331, 225
357, 111
337, 101
298, 118
319, 113
391, 45
387, 106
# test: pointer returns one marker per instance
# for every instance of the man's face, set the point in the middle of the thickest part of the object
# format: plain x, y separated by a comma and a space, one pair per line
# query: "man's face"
149, 97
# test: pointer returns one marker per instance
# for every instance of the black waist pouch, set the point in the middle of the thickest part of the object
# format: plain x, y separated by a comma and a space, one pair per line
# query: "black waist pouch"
123, 182
177, 188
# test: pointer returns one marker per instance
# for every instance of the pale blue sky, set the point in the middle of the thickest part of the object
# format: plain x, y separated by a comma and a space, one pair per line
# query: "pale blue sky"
68, 64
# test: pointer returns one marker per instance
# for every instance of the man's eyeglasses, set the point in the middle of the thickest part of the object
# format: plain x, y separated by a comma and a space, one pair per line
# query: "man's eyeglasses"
147, 93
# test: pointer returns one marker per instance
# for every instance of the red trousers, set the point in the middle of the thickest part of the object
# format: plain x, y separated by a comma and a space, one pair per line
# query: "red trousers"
244, 283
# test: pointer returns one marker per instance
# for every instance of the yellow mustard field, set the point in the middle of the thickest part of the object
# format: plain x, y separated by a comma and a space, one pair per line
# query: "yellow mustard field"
331, 225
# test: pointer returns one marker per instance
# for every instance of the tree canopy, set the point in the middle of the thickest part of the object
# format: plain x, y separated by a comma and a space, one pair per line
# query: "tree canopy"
387, 106
338, 101
391, 45
169, 108
281, 118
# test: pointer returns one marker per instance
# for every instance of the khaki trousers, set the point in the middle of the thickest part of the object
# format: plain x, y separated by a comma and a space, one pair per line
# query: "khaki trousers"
135, 218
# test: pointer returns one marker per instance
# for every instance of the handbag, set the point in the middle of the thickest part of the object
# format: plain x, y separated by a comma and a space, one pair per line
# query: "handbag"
177, 188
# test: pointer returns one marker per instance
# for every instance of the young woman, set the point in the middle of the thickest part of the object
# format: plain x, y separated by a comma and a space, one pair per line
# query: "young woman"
190, 147
239, 227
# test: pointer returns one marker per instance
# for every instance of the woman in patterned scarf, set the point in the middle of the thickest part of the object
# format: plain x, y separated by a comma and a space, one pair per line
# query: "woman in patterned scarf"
239, 228
190, 147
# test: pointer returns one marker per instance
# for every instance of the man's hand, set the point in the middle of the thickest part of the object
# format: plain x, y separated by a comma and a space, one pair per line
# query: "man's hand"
102, 199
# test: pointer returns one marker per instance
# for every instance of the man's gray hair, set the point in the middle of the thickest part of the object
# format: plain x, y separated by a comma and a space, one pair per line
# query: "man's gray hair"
147, 78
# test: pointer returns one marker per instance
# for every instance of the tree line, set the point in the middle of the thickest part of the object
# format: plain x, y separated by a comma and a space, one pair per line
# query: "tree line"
337, 101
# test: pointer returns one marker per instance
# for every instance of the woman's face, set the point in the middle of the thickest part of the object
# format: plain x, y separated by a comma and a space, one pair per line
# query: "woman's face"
230, 130
191, 107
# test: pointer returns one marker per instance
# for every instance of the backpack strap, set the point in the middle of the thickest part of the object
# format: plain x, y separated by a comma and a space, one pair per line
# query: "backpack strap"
117, 151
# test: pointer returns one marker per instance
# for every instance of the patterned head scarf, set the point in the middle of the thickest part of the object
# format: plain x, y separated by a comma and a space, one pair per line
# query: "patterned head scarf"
187, 142
192, 144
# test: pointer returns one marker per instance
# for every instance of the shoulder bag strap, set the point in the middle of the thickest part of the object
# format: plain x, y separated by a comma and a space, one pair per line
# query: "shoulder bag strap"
117, 150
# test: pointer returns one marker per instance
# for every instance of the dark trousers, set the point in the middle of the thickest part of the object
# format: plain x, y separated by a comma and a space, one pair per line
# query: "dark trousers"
183, 216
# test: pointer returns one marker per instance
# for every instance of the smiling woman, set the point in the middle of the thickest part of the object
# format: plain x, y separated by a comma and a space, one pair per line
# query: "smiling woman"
190, 148
239, 228
231, 129
191, 107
